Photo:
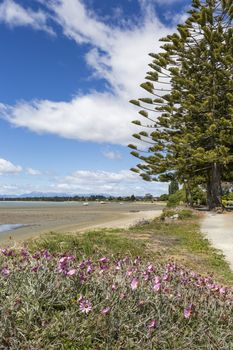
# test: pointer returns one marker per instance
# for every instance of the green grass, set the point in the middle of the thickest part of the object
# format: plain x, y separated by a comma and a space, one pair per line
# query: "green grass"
183, 241
180, 240
97, 242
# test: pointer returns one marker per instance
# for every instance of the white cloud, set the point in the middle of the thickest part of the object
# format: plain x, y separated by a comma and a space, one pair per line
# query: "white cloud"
123, 182
15, 15
96, 117
6, 167
111, 154
118, 183
117, 54
33, 172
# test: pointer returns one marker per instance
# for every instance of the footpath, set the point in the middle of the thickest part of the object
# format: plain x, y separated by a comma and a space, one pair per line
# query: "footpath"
218, 228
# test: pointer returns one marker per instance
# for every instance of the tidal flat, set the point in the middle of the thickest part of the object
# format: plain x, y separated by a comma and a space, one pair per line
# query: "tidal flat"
42, 217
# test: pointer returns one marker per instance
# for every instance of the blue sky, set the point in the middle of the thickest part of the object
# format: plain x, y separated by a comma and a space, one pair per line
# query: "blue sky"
68, 69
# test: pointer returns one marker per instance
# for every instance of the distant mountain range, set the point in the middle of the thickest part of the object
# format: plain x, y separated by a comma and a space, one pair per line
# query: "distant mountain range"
49, 195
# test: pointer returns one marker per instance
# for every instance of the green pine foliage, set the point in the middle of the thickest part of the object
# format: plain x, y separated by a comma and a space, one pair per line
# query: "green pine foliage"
189, 117
173, 187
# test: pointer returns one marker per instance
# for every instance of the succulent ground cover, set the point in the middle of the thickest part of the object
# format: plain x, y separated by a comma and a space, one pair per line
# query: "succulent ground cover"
58, 300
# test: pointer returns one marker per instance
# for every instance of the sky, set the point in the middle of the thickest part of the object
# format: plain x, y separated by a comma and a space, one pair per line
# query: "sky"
68, 69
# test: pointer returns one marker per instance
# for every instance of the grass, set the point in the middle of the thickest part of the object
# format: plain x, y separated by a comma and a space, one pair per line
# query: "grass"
180, 240
112, 242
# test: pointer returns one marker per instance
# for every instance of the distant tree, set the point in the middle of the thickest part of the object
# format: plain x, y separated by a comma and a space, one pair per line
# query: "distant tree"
189, 116
164, 197
148, 197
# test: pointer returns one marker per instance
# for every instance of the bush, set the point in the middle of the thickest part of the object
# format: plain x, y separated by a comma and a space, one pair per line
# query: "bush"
199, 196
176, 198
56, 301
227, 199
185, 214
164, 197
182, 214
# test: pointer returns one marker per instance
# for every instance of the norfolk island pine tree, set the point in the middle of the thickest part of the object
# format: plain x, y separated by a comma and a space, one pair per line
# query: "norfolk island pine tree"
188, 119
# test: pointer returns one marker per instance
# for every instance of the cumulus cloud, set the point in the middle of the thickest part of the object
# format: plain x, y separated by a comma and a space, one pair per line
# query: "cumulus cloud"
123, 182
120, 183
14, 15
96, 117
118, 55
6, 167
113, 155
33, 172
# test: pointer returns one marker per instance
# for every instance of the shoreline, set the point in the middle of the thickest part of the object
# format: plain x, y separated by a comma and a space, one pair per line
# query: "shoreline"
72, 219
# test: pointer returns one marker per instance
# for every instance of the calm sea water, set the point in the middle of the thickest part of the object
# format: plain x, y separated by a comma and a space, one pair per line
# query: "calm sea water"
9, 227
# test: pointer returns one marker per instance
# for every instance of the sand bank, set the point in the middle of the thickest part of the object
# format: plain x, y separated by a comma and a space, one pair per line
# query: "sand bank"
72, 218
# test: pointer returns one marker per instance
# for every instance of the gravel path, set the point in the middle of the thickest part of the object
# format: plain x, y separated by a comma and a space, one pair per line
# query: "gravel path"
218, 228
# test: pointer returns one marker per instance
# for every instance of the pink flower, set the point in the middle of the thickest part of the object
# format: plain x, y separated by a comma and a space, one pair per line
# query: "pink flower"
103, 267
36, 256
188, 311
24, 253
122, 296
157, 287
118, 265
81, 298
5, 272
104, 260
150, 268
46, 255
222, 290
157, 279
89, 269
114, 286
8, 252
85, 306
70, 257
129, 272
152, 324
71, 272
34, 268
137, 260
105, 311
63, 260
166, 277
134, 283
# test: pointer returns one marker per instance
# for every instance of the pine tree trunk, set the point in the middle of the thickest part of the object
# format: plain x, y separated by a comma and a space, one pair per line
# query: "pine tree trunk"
214, 190
189, 196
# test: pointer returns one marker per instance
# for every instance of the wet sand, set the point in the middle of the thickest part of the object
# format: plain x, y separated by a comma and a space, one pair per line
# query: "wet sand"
72, 217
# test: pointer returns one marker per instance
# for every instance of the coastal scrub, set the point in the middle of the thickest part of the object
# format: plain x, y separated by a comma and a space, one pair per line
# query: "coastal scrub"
62, 301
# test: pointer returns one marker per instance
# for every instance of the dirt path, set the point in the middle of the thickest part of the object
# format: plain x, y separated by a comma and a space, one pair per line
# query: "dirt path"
218, 228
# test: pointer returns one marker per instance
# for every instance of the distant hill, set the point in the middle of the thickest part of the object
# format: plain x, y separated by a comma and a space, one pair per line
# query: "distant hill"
45, 195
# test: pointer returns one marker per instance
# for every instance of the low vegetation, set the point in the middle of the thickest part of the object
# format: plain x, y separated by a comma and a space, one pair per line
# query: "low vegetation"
158, 285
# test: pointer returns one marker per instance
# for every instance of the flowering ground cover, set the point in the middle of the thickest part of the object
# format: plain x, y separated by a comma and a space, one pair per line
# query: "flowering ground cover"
60, 300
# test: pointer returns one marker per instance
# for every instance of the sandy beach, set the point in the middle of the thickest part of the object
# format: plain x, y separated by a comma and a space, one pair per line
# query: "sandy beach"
71, 217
